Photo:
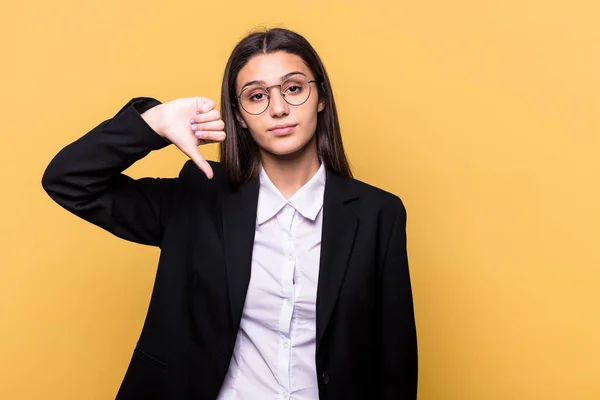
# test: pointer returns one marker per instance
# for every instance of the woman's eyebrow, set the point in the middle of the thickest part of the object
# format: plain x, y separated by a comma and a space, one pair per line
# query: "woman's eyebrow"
263, 83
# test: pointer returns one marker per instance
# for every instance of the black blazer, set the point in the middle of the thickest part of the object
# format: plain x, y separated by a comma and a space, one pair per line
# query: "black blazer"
366, 344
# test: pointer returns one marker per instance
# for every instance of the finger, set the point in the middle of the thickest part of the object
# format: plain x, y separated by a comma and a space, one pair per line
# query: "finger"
204, 104
211, 136
212, 115
193, 153
199, 104
209, 126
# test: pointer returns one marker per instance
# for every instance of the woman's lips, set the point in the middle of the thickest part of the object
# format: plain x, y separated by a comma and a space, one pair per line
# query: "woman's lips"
283, 130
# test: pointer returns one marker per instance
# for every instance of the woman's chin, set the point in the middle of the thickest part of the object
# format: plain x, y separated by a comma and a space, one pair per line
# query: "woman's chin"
289, 147
285, 151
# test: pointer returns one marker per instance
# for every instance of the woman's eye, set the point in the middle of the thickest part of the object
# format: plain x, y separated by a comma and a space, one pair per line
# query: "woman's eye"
257, 97
294, 89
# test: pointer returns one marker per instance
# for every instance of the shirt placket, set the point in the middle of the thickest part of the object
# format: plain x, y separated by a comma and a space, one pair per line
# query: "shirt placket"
285, 219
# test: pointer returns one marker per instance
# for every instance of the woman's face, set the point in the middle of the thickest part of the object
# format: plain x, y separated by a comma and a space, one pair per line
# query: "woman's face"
282, 129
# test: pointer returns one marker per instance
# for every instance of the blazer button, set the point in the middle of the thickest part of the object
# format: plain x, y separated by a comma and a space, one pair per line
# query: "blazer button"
325, 378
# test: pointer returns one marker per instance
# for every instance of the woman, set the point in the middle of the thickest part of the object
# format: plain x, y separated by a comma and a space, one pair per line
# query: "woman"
280, 276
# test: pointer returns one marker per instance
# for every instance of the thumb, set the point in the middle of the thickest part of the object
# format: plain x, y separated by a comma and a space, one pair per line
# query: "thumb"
204, 104
194, 154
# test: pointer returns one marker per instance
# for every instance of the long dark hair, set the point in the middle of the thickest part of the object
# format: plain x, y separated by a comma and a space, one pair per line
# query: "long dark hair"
239, 152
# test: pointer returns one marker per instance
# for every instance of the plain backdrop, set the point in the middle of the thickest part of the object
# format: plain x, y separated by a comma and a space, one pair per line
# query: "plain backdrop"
482, 115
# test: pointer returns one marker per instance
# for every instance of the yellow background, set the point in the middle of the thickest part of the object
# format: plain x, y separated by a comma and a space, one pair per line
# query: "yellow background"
484, 116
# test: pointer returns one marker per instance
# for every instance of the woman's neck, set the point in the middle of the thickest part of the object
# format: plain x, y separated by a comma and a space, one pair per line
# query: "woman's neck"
290, 173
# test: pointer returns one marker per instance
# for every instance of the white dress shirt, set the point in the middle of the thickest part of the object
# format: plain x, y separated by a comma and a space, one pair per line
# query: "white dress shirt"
274, 354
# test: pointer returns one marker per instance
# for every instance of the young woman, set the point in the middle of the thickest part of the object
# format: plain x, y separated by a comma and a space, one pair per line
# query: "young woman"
280, 276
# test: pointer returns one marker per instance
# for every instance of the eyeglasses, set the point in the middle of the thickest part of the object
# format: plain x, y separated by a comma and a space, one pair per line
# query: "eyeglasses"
255, 99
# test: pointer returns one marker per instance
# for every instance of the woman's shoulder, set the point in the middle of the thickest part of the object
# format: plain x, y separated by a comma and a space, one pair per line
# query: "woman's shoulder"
195, 177
372, 196
369, 194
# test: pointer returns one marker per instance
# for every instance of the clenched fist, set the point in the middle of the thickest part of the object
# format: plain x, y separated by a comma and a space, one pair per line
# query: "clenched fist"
188, 123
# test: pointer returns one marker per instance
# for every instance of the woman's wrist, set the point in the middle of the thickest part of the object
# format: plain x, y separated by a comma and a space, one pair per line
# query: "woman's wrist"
153, 117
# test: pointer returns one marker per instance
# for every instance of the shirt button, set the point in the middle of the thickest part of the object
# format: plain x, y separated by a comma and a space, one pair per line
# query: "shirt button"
290, 257
289, 301
285, 345
325, 378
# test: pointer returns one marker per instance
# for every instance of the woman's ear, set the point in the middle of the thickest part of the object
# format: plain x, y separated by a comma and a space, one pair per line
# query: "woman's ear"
240, 119
321, 106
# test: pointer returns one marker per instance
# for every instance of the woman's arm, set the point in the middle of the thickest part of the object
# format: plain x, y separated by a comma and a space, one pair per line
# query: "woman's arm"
86, 177
398, 351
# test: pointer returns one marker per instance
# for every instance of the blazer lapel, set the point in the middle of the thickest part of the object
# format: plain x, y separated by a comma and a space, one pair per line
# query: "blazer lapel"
238, 216
339, 230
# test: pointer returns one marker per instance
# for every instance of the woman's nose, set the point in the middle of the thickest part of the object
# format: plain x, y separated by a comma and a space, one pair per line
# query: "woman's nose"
278, 106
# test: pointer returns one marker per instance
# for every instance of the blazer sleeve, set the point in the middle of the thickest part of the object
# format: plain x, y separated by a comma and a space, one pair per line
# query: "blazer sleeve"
399, 363
86, 177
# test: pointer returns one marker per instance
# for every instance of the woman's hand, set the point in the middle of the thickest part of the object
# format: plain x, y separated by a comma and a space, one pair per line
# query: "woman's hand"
188, 123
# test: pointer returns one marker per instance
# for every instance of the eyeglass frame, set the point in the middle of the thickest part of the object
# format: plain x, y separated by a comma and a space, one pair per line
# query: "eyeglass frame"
268, 90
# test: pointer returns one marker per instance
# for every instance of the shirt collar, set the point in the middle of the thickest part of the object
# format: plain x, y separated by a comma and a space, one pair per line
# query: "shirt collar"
308, 200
